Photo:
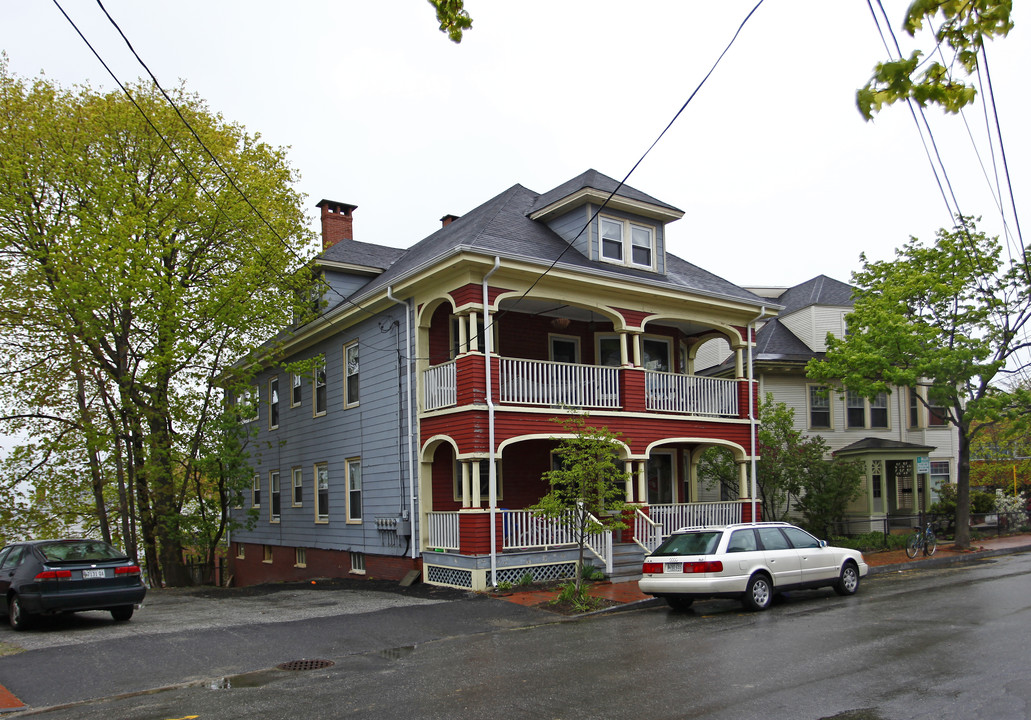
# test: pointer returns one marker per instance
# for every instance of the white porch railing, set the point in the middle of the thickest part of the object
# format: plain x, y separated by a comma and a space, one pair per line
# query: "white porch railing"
442, 530
533, 382
440, 386
523, 530
672, 392
647, 533
672, 517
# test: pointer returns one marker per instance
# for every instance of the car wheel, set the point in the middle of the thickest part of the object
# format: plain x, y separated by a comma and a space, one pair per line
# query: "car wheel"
759, 593
16, 615
679, 603
848, 583
121, 614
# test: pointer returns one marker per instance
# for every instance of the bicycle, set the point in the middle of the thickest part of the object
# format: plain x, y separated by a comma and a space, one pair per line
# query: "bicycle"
922, 539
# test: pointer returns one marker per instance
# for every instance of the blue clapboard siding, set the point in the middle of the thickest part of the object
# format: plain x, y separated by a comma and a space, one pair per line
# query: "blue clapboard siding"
374, 431
569, 225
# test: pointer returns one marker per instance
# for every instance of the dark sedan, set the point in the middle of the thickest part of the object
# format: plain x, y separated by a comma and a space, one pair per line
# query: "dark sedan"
45, 577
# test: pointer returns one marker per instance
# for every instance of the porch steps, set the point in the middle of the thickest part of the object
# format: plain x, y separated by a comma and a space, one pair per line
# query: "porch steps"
626, 562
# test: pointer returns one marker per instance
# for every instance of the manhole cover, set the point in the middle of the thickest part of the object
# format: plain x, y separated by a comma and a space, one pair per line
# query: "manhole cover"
305, 665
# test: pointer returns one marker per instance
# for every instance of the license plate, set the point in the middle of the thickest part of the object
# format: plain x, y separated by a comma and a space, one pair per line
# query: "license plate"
88, 574
674, 567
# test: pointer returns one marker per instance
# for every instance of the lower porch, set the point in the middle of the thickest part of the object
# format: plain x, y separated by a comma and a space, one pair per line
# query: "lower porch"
457, 550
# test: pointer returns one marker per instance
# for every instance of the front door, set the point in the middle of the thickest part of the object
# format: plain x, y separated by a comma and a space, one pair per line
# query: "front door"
660, 479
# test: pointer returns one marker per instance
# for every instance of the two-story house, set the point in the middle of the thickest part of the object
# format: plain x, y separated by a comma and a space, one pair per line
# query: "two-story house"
907, 448
419, 434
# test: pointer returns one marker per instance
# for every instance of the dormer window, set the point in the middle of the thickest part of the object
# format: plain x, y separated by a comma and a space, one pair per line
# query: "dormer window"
627, 243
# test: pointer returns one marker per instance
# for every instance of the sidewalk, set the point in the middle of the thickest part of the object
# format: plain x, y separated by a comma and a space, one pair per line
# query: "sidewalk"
627, 593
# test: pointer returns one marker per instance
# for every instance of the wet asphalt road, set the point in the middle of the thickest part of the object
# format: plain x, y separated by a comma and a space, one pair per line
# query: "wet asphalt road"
944, 643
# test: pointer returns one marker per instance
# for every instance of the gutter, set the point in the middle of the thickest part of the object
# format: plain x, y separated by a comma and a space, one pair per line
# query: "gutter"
408, 393
492, 471
753, 424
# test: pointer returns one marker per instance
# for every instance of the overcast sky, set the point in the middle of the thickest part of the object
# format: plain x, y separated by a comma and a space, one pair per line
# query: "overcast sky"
779, 177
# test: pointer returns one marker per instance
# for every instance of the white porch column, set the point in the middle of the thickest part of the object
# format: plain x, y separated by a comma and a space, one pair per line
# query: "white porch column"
624, 353
463, 334
628, 465
739, 363
466, 494
742, 473
642, 481
636, 338
474, 467
474, 340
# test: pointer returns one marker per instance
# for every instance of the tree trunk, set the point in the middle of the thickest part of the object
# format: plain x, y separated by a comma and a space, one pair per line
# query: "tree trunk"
963, 489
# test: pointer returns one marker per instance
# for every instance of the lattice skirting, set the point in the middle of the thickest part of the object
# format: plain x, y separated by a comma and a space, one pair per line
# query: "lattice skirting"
479, 579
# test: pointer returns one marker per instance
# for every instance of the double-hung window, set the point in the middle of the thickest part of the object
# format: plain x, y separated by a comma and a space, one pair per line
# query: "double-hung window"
297, 481
351, 374
319, 388
295, 390
819, 407
322, 493
863, 413
274, 499
273, 403
256, 491
354, 490
626, 243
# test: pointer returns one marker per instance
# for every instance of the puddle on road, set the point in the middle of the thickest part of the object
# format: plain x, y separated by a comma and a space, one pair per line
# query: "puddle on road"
397, 653
247, 680
260, 678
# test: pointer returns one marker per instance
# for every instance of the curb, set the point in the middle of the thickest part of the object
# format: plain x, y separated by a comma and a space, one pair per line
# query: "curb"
946, 561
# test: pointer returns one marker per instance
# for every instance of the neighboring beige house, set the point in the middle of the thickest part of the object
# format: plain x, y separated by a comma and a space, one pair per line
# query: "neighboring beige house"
908, 451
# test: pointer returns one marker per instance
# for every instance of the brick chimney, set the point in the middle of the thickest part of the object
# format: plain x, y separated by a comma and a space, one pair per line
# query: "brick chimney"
448, 219
336, 222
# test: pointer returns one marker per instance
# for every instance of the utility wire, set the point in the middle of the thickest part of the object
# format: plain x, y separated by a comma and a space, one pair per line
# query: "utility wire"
626, 177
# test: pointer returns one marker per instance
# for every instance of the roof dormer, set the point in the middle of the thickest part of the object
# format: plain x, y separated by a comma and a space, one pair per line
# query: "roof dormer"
628, 231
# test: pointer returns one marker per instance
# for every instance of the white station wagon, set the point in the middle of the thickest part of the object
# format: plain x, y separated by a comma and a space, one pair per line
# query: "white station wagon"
751, 562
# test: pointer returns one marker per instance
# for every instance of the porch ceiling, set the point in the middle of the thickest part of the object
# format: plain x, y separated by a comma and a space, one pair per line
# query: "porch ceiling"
558, 309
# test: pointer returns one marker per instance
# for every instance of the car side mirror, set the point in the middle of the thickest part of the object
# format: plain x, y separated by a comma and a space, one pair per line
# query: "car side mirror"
823, 543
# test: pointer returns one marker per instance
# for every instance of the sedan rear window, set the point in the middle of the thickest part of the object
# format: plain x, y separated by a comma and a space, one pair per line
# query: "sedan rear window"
77, 550
699, 543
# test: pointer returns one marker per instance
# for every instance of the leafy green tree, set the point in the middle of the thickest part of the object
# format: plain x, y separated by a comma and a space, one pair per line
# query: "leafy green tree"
826, 491
962, 29
453, 18
588, 490
950, 318
790, 464
133, 273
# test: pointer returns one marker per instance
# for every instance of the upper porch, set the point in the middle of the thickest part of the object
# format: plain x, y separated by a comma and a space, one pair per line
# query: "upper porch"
570, 357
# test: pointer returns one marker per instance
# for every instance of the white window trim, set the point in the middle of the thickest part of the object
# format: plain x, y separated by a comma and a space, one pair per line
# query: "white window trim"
321, 365
664, 339
277, 404
868, 414
296, 480
347, 478
565, 338
256, 491
809, 407
348, 403
324, 517
274, 479
626, 238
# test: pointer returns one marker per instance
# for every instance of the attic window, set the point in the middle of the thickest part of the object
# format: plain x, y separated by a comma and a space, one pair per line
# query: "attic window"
626, 243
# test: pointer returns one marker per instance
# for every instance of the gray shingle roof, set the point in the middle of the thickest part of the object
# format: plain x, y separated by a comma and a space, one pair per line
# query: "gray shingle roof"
361, 253
501, 226
821, 290
597, 181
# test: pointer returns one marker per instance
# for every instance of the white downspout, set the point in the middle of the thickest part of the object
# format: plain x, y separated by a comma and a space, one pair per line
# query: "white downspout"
408, 393
492, 471
751, 404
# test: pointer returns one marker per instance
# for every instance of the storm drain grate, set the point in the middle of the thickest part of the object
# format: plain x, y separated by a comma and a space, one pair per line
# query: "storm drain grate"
305, 665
